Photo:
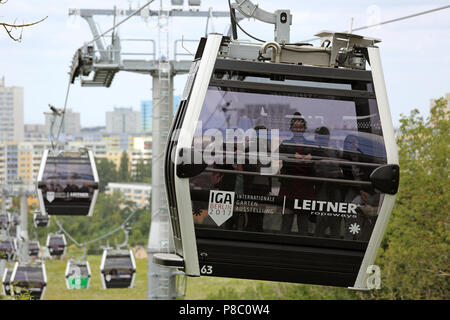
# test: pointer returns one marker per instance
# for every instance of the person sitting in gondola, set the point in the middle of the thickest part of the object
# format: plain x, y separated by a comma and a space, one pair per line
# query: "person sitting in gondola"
324, 190
354, 172
296, 163
259, 185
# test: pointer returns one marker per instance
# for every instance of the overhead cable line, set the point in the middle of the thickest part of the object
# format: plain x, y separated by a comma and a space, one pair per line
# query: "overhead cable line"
84, 244
390, 21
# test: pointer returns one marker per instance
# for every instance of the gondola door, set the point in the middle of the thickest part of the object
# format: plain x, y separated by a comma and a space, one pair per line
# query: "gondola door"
280, 172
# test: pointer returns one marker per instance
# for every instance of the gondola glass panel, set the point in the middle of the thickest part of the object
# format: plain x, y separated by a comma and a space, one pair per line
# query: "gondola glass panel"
40, 220
68, 184
118, 269
8, 248
296, 138
288, 171
4, 221
56, 244
29, 279
34, 248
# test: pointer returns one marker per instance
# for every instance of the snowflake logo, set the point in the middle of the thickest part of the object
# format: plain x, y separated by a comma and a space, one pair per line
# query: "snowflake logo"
354, 228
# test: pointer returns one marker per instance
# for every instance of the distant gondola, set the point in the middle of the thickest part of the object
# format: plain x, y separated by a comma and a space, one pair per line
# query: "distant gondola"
56, 244
67, 183
117, 268
7, 248
15, 219
33, 248
4, 221
6, 282
29, 278
78, 274
40, 220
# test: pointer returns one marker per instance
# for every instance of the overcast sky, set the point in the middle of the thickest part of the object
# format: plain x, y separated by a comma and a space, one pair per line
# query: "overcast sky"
415, 52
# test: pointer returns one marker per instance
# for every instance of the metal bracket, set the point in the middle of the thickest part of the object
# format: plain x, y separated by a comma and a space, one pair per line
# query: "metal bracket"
282, 19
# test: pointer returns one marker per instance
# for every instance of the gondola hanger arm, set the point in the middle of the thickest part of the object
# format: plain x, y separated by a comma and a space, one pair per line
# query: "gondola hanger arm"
282, 18
251, 10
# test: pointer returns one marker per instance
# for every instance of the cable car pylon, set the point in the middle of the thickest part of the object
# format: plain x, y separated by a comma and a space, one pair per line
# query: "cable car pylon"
161, 280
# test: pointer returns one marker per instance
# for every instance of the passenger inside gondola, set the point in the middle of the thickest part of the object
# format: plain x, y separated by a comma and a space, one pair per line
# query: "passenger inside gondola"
296, 163
324, 190
257, 185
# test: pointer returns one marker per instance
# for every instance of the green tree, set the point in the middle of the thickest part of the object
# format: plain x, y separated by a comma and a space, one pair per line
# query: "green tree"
124, 171
107, 172
414, 254
13, 27
143, 172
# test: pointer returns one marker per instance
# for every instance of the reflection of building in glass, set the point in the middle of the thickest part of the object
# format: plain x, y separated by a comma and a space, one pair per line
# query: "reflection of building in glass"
139, 193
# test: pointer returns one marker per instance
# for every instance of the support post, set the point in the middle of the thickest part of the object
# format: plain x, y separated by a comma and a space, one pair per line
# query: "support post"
23, 235
161, 280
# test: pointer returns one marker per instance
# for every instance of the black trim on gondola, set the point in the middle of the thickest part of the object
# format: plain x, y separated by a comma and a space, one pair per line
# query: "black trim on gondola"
290, 88
290, 71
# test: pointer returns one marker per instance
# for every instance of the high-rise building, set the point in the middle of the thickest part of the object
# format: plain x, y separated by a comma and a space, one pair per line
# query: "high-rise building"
146, 112
146, 115
35, 132
11, 113
123, 120
71, 123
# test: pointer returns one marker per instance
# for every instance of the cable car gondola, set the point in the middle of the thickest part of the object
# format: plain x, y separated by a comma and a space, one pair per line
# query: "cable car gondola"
29, 278
6, 282
4, 221
298, 165
40, 220
78, 274
56, 244
8, 248
15, 219
117, 269
34, 248
68, 183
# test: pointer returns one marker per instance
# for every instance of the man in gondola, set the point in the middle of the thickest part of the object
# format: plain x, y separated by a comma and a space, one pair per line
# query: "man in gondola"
324, 190
296, 163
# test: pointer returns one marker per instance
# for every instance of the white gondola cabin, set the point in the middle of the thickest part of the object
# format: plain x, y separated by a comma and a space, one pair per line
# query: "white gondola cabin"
34, 248
29, 278
40, 220
8, 248
117, 268
284, 170
67, 183
4, 221
56, 244
78, 274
